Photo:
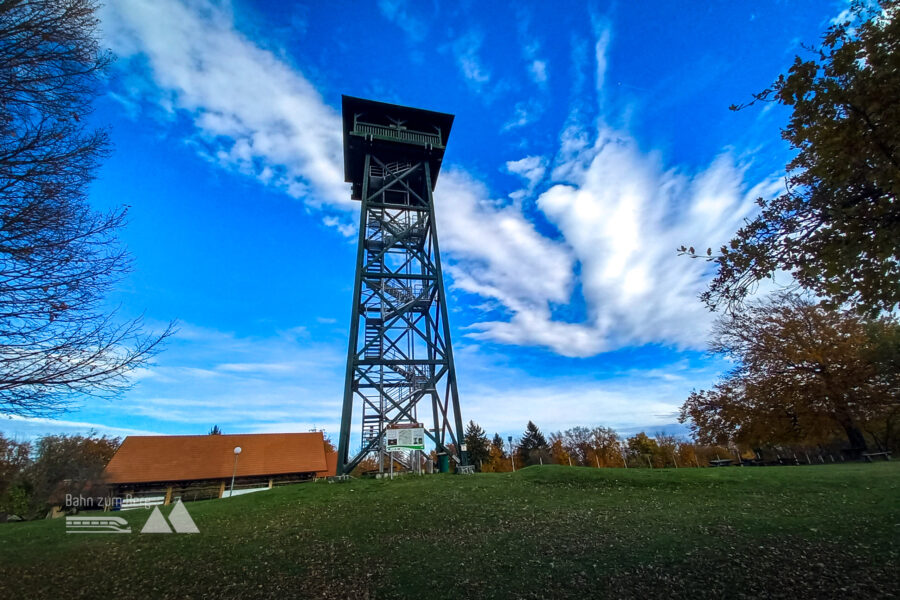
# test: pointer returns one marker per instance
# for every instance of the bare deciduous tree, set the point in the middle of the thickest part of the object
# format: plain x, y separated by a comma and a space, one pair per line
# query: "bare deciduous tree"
59, 258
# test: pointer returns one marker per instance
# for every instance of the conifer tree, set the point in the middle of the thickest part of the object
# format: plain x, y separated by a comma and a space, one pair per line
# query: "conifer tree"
533, 448
477, 445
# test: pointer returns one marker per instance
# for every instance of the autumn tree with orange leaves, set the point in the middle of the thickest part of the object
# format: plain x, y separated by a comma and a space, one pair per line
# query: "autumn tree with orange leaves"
805, 374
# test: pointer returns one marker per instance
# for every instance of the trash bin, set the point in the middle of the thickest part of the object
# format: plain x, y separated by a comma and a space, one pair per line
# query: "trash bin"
443, 463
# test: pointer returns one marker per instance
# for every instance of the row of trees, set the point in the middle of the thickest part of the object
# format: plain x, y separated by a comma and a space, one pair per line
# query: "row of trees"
806, 376
603, 447
35, 476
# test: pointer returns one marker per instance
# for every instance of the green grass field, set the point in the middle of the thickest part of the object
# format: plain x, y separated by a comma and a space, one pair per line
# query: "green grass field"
828, 531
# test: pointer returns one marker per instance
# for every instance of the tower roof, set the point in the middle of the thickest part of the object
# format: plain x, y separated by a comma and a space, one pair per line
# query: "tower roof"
396, 132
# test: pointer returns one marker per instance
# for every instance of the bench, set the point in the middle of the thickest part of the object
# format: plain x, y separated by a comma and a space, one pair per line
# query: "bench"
868, 456
722, 462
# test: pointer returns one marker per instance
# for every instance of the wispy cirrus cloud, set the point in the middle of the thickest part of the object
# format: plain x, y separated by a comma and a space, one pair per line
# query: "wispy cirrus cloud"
466, 51
489, 243
532, 169
524, 113
537, 65
242, 383
618, 211
296, 387
400, 14
603, 34
621, 214
27, 428
251, 112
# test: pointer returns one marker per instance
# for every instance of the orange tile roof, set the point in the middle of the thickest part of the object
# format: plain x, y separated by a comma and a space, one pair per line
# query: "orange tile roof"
331, 460
144, 459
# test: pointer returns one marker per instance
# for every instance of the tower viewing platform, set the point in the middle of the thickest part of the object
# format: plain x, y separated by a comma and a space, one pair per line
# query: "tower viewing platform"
392, 132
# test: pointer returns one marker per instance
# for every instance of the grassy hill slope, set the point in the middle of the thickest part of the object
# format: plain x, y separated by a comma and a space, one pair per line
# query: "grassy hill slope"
828, 531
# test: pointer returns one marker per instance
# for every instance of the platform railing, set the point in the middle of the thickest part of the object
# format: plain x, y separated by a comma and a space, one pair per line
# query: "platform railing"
399, 135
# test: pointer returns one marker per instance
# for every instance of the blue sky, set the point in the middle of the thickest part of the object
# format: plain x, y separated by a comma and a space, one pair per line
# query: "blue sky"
590, 140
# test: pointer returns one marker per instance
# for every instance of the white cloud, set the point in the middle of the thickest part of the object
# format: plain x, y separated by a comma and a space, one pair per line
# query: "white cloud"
531, 169
619, 213
601, 51
251, 111
26, 428
623, 216
538, 71
531, 49
345, 228
844, 15
466, 49
259, 368
524, 113
603, 35
488, 245
398, 12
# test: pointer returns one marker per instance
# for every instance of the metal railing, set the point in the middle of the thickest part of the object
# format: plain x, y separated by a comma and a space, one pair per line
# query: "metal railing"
399, 135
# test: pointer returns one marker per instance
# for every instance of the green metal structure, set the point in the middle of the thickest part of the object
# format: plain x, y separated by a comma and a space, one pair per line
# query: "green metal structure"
400, 361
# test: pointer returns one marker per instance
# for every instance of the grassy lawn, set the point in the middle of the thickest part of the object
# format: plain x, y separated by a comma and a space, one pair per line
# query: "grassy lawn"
828, 531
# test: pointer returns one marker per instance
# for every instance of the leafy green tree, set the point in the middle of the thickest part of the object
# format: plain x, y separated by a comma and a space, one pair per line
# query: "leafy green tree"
15, 459
477, 445
643, 450
836, 228
804, 373
215, 430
